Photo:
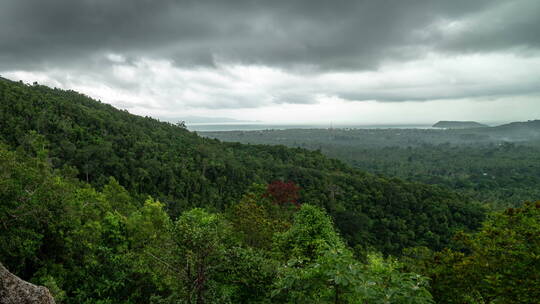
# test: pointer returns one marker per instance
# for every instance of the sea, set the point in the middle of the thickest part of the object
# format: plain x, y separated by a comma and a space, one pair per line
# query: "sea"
214, 127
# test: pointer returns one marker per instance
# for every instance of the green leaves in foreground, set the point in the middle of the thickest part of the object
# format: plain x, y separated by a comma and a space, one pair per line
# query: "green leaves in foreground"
498, 264
320, 269
92, 246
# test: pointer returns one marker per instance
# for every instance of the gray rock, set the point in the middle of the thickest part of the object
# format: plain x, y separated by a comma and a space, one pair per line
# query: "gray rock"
13, 290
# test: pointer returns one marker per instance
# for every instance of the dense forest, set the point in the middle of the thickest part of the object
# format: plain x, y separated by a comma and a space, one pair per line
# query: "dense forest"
102, 206
497, 166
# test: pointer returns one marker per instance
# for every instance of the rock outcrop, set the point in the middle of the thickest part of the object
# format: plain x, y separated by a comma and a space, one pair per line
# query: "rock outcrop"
13, 290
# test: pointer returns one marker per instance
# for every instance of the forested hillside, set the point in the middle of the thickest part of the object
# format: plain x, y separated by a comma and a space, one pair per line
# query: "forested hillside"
184, 170
102, 206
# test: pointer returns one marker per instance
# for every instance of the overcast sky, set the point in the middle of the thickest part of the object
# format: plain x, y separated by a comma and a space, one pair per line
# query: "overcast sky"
310, 61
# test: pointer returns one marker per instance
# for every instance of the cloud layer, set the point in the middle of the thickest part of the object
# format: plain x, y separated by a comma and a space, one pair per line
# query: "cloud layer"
202, 56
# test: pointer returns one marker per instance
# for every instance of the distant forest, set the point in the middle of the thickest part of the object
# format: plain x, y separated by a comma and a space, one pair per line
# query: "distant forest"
498, 166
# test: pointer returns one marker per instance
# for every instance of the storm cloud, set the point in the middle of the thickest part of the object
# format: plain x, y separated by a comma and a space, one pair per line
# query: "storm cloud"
181, 55
322, 34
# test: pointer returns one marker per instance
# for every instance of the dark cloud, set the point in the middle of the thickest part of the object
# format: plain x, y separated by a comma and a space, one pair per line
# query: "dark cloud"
511, 25
172, 56
303, 34
441, 93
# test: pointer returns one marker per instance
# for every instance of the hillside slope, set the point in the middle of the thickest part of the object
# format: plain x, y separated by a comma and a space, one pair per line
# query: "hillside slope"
150, 157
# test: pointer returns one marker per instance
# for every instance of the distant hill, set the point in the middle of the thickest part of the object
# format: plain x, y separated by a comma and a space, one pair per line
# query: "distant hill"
516, 131
521, 125
458, 125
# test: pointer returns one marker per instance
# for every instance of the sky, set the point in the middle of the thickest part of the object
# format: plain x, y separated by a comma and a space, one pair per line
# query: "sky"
285, 61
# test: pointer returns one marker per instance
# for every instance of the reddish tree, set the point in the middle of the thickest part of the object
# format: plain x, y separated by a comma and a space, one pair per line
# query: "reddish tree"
283, 192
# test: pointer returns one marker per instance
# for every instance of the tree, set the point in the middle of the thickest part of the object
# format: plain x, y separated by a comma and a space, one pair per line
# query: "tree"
283, 192
202, 241
181, 124
313, 253
118, 197
312, 232
321, 269
498, 264
257, 218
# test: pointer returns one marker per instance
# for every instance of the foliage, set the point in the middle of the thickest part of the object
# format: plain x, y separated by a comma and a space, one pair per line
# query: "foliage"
499, 264
102, 206
64, 234
283, 192
498, 166
387, 282
201, 240
182, 170
320, 269
311, 233
257, 218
